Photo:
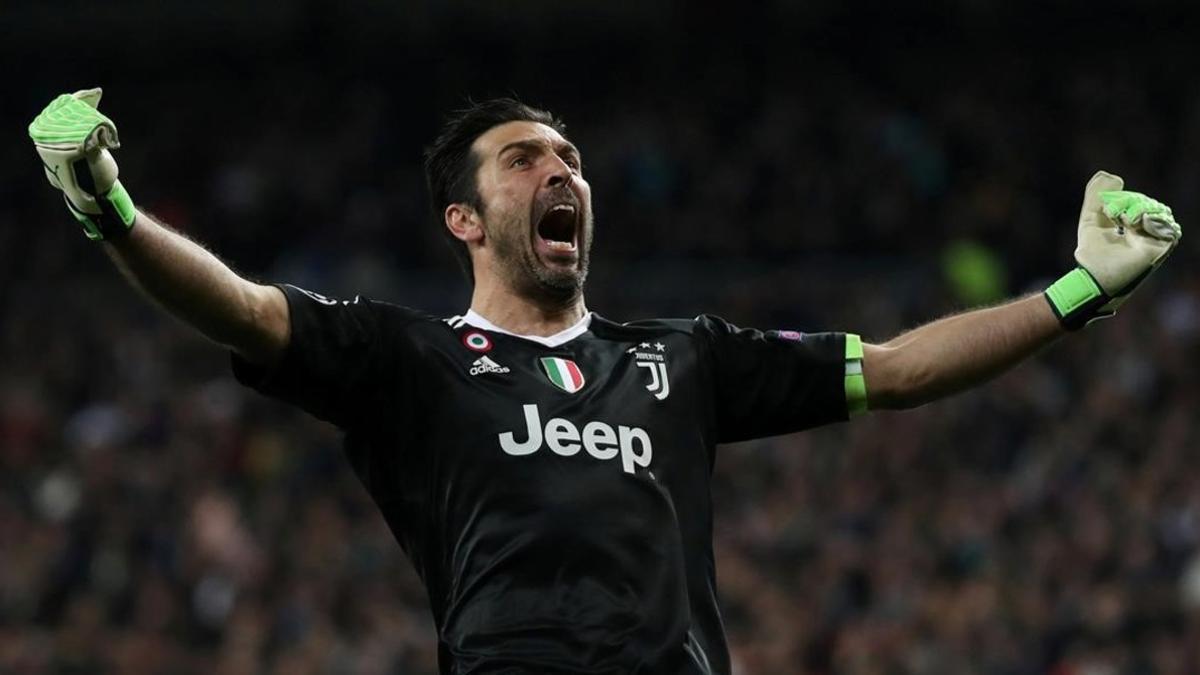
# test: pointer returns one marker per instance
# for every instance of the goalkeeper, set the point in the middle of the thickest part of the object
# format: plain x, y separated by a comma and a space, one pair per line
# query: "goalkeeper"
546, 469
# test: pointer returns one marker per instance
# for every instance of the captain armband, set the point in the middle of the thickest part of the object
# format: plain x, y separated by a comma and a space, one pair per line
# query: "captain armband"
856, 384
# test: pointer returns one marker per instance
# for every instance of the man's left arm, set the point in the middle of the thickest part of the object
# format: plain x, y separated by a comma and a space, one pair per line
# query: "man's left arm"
1123, 237
956, 353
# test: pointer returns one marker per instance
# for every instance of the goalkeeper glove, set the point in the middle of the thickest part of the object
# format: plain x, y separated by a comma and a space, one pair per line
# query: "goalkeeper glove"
1123, 237
73, 139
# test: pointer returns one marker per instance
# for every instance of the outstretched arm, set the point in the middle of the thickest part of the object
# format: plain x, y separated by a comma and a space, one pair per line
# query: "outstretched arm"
73, 140
195, 286
956, 353
1123, 237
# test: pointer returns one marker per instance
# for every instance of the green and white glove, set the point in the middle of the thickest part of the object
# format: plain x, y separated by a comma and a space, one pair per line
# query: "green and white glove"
1123, 237
73, 139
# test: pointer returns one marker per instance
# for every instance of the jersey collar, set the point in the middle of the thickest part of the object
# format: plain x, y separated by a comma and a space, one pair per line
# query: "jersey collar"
562, 337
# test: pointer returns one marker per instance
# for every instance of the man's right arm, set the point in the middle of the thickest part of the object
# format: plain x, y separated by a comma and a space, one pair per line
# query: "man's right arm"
195, 286
73, 140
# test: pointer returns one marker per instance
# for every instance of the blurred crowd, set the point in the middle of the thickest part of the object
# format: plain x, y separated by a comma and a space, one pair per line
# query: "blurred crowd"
157, 518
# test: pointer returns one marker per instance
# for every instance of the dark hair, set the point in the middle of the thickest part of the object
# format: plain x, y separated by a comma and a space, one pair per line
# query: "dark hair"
451, 167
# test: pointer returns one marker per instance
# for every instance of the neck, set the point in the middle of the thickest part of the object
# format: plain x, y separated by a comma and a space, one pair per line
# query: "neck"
524, 316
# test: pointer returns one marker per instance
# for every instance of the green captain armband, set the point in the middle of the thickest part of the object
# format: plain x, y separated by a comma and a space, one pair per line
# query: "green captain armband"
856, 384
1077, 299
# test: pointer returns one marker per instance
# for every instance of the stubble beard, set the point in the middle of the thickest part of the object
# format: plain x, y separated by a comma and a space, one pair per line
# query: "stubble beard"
528, 275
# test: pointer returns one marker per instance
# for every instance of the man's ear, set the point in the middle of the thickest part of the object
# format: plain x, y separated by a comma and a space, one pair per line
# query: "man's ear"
464, 223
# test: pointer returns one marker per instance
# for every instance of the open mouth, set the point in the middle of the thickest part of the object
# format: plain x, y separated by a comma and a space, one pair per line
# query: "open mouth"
556, 231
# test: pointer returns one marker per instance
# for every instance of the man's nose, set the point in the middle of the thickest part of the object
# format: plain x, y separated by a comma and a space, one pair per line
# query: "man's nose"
559, 174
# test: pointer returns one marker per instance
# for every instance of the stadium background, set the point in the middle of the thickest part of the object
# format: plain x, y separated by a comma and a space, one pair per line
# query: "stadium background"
786, 166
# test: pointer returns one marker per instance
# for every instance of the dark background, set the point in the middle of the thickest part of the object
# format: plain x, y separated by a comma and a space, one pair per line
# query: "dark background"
810, 166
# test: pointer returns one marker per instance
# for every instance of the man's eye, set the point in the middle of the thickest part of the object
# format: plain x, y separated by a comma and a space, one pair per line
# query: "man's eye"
519, 160
572, 162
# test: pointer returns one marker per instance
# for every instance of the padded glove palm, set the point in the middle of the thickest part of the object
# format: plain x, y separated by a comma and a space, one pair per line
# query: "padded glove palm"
1123, 237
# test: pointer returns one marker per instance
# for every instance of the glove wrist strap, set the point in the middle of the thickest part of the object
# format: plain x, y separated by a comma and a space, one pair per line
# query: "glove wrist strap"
115, 219
1077, 299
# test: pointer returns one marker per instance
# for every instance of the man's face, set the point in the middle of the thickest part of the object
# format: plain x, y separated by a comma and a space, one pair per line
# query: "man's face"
537, 209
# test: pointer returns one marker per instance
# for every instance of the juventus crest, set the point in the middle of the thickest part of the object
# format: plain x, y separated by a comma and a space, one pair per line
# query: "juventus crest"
652, 358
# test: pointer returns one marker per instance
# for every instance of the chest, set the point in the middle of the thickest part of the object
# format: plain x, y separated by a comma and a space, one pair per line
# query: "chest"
511, 407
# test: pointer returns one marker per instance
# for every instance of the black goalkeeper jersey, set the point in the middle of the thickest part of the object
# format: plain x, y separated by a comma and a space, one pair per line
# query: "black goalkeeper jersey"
554, 499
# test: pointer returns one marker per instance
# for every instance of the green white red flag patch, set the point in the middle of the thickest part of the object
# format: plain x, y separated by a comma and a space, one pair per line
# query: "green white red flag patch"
563, 373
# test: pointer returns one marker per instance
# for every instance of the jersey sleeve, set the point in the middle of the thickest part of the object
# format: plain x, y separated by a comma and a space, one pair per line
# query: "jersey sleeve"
339, 359
773, 382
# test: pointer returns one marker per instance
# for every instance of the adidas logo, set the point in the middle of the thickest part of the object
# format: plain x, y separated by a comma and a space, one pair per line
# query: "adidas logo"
484, 364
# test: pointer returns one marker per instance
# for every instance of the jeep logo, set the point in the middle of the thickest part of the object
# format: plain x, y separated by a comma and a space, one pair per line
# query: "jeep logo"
564, 438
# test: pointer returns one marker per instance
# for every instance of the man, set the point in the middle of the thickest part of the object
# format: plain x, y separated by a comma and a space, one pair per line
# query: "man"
547, 469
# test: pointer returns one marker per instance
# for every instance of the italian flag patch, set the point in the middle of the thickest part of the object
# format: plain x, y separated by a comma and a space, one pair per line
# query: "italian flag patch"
563, 373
